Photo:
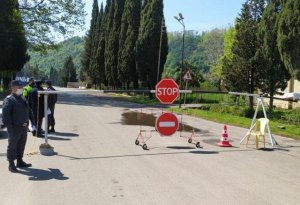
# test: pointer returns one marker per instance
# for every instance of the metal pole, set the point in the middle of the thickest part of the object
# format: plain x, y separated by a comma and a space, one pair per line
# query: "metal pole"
46, 117
159, 53
182, 60
186, 86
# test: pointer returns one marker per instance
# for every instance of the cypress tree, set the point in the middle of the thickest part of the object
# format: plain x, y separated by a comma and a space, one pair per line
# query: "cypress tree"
112, 48
13, 45
275, 76
148, 43
127, 41
96, 57
68, 73
107, 25
86, 56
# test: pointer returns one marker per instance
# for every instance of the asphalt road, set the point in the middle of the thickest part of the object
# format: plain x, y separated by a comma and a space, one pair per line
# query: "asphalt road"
97, 162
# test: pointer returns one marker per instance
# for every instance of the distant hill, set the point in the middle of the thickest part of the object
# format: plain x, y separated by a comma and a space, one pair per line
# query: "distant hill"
56, 58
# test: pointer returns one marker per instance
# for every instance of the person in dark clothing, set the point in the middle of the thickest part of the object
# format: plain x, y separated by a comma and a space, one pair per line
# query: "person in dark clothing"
26, 91
15, 114
36, 102
52, 99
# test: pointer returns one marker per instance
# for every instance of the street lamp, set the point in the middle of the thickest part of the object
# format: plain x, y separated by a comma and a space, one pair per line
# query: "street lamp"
180, 18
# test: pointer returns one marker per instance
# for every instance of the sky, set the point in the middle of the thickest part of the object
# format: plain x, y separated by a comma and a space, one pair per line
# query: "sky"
199, 15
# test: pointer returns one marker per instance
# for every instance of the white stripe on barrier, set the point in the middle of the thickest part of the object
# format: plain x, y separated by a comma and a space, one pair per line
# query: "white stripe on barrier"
167, 124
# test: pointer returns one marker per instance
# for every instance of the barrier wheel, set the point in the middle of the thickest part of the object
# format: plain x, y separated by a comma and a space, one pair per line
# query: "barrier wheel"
137, 142
198, 145
144, 147
190, 141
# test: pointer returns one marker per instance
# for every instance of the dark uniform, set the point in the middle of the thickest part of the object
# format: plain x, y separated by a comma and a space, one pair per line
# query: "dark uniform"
15, 112
37, 106
52, 99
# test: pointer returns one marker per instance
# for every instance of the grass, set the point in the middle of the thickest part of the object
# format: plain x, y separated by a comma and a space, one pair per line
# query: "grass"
292, 131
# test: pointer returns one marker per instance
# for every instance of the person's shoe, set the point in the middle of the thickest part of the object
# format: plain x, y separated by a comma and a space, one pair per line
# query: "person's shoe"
40, 136
52, 130
22, 164
34, 133
12, 167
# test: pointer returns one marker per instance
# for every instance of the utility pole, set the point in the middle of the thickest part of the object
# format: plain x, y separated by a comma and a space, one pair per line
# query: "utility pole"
180, 18
159, 53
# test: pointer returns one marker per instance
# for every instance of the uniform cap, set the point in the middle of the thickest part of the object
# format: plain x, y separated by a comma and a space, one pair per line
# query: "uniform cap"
38, 82
48, 82
16, 83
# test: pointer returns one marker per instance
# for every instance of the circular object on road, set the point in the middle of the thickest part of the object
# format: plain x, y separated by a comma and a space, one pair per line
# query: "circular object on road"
137, 142
190, 141
167, 124
198, 145
144, 147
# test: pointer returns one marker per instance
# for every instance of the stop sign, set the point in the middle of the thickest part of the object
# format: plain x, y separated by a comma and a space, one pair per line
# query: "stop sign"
167, 124
166, 91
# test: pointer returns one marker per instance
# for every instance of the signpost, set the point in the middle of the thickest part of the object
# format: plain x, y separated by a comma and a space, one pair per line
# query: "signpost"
167, 124
187, 76
167, 91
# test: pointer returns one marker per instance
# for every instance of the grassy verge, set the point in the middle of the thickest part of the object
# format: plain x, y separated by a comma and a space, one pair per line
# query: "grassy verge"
292, 131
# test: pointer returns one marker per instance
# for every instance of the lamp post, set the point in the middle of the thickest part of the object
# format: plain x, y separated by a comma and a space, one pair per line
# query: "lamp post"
180, 18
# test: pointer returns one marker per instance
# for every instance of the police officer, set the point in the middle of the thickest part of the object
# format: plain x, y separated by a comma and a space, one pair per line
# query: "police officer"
52, 99
26, 91
15, 112
36, 102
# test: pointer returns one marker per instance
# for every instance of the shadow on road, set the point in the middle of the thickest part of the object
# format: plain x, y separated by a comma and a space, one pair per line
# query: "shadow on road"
58, 138
96, 101
43, 175
138, 155
64, 134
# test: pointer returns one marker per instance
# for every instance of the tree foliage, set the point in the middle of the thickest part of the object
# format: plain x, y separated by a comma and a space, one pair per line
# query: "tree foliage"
44, 20
68, 73
127, 41
289, 36
13, 45
148, 44
274, 74
243, 74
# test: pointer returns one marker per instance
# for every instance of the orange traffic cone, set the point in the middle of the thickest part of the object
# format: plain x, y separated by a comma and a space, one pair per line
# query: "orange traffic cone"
224, 139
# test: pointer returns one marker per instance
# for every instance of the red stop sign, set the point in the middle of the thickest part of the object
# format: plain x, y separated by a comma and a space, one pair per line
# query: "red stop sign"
166, 91
167, 124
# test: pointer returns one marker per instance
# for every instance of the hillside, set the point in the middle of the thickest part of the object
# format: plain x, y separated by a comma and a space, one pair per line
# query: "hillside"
198, 49
55, 58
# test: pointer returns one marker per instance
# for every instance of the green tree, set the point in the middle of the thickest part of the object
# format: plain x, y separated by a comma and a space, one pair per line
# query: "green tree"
112, 48
13, 45
107, 25
127, 41
68, 73
244, 73
148, 43
275, 75
53, 76
45, 20
289, 38
86, 55
97, 61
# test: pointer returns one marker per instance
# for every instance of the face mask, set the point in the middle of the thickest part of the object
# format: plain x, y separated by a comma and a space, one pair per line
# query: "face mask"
19, 91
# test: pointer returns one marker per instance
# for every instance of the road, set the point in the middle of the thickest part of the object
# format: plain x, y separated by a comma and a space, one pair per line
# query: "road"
97, 162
